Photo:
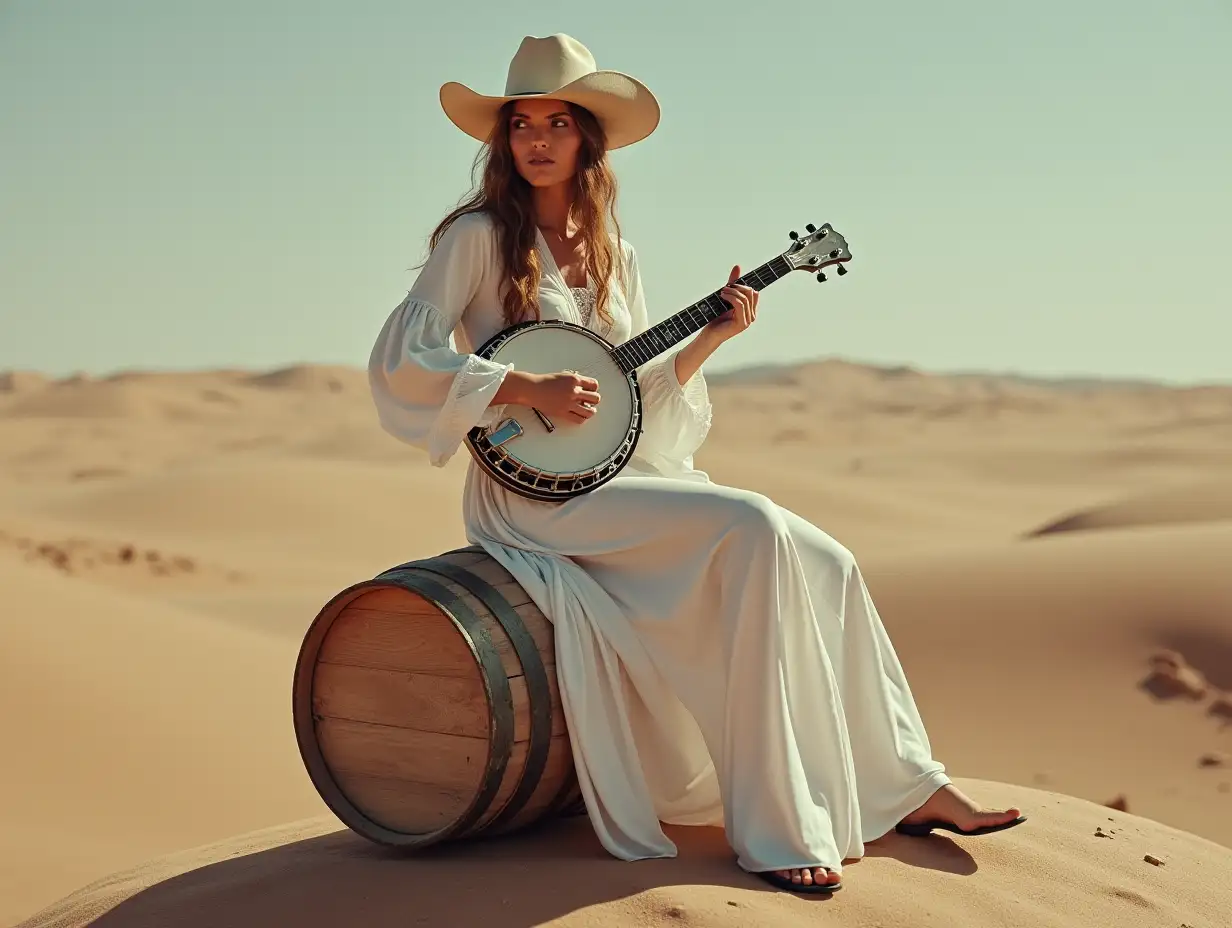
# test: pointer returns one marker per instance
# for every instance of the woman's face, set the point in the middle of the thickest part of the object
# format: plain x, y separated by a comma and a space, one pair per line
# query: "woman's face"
545, 141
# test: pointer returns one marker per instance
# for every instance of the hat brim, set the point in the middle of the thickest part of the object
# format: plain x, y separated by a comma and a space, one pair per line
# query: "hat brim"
624, 106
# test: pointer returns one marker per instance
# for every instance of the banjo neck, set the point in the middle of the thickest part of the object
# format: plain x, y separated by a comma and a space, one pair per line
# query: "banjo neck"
661, 337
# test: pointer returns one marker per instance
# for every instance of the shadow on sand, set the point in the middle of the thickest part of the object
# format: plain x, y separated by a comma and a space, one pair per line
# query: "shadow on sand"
518, 881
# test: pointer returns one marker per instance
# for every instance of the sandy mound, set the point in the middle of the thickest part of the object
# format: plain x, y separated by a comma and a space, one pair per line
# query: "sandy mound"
134, 395
1208, 501
263, 509
1073, 864
1143, 408
21, 381
172, 396
1036, 662
312, 378
139, 422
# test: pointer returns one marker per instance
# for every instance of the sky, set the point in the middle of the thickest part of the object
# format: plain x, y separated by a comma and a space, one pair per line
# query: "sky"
1040, 188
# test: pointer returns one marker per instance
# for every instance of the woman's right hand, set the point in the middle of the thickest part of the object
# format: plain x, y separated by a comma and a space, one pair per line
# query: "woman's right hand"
564, 396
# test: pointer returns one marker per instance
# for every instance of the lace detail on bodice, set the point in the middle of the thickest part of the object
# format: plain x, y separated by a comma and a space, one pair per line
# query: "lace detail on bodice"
585, 299
615, 329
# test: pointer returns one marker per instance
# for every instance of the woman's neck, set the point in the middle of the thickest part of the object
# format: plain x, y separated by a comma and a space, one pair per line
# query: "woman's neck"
552, 205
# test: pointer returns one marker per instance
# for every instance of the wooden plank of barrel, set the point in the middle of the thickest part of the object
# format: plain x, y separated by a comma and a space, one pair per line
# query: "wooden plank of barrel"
426, 706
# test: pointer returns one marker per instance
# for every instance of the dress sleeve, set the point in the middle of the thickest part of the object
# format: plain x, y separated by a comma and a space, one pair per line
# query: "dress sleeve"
676, 417
426, 393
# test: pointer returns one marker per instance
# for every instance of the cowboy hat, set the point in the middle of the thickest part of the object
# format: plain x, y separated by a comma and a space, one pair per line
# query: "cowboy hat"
559, 67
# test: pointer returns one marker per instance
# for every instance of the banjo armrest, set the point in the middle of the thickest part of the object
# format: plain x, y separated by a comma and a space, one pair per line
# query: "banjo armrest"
505, 431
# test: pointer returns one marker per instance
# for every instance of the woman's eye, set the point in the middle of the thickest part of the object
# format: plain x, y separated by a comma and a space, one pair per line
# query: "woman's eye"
556, 124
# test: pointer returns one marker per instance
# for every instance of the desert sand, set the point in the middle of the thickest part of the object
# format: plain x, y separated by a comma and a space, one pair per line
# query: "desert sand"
1053, 561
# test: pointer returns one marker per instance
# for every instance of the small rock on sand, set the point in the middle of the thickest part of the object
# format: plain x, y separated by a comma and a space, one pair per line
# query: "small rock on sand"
1221, 708
1172, 675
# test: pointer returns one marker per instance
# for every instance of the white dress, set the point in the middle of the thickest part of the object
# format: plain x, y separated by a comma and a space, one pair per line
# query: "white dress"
720, 660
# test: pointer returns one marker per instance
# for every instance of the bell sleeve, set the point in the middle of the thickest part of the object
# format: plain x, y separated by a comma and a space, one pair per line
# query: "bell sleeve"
676, 417
426, 393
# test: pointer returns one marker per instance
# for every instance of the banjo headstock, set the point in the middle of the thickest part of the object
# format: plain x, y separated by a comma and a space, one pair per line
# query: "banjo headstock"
818, 249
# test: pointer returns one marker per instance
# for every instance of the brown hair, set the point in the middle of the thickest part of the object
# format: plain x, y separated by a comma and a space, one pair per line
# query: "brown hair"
502, 193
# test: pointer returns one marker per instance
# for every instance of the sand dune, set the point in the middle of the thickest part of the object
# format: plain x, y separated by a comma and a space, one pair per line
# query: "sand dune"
300, 503
1051, 559
1208, 501
14, 382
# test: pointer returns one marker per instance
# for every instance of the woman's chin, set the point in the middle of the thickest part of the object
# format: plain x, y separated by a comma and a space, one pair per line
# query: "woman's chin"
541, 178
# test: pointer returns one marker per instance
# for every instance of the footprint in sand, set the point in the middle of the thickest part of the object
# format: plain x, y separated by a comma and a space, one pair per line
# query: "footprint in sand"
1172, 676
97, 473
1221, 709
83, 555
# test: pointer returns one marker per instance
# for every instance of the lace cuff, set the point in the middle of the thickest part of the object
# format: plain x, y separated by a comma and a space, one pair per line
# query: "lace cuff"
466, 406
426, 393
678, 416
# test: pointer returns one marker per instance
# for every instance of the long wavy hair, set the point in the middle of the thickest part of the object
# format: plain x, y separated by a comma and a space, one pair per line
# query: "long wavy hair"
502, 193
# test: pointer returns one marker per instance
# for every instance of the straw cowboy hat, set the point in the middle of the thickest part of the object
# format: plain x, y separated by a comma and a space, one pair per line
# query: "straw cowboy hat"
559, 67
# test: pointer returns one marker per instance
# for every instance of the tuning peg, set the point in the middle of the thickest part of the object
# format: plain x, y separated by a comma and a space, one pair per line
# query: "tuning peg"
821, 277
793, 235
840, 270
811, 227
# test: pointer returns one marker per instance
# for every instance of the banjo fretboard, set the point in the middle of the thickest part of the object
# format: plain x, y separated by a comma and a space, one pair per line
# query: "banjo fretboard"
662, 336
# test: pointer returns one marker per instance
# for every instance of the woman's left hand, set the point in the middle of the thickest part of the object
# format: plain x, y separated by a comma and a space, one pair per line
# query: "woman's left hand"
743, 300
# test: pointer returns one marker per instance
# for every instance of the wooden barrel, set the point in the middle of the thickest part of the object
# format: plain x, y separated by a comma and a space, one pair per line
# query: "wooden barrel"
426, 707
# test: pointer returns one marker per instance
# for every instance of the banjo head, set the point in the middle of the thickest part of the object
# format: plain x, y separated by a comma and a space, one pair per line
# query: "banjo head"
570, 458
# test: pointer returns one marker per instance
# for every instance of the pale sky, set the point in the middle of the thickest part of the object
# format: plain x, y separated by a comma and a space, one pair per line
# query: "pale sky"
1038, 187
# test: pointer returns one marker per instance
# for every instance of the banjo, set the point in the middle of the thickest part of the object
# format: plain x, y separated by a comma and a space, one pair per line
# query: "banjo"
539, 459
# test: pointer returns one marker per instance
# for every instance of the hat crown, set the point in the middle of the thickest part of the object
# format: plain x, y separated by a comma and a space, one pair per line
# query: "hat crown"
542, 65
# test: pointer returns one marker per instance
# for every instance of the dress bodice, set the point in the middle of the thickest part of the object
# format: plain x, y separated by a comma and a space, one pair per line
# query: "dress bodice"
615, 331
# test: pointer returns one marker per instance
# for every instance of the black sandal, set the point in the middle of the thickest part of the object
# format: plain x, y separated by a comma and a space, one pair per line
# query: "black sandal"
923, 829
784, 882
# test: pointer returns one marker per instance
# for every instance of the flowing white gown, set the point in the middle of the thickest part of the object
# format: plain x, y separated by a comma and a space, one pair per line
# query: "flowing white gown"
720, 660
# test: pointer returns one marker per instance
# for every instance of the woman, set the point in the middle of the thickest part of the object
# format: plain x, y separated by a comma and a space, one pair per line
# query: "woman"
719, 658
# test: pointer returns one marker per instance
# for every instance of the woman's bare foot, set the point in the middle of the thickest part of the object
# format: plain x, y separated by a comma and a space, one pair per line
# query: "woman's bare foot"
817, 876
949, 804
